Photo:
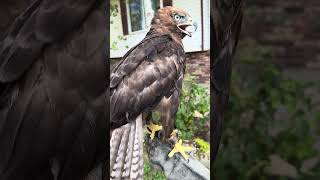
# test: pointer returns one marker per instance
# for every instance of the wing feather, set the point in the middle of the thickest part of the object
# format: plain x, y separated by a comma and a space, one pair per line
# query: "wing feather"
35, 28
55, 110
135, 56
226, 19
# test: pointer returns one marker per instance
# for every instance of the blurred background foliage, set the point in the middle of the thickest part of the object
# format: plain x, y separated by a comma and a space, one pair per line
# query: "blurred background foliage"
272, 125
269, 125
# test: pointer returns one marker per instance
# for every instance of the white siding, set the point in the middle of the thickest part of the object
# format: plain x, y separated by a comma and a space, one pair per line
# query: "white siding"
206, 24
122, 45
193, 7
191, 44
115, 32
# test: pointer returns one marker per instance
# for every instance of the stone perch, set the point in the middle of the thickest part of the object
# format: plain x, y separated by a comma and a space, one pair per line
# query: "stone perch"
175, 168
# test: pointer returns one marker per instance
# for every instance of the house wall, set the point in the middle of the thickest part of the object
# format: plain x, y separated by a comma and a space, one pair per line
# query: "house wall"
290, 28
291, 31
116, 32
198, 66
206, 25
116, 22
193, 7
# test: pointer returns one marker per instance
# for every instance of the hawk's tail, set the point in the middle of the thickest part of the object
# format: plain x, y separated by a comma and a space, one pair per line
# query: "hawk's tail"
126, 151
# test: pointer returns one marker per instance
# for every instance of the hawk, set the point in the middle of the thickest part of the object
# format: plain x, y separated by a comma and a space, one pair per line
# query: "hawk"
226, 19
148, 77
53, 92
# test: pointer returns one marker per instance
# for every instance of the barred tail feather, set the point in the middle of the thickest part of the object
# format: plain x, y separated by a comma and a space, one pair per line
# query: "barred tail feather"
126, 153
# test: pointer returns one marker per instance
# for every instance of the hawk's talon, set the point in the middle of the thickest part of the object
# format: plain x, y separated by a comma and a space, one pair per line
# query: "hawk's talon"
152, 129
178, 147
175, 134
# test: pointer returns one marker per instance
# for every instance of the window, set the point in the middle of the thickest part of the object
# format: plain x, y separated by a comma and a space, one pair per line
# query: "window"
155, 5
135, 15
140, 13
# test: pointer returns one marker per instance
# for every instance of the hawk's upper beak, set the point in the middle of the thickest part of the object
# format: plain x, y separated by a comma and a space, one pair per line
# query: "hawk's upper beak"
189, 27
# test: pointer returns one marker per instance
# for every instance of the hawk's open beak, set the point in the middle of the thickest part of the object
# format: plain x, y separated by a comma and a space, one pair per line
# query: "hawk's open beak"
189, 27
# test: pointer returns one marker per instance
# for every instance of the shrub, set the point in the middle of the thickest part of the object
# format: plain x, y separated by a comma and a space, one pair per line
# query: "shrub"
193, 113
151, 173
204, 146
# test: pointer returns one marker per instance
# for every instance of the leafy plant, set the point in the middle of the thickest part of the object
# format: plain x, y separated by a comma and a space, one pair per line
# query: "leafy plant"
115, 41
203, 145
193, 114
114, 9
152, 174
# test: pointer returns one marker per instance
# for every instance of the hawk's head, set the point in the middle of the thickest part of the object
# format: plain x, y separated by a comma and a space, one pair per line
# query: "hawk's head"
171, 20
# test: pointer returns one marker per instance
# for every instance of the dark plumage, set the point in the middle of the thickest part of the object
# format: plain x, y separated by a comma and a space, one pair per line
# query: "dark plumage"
53, 96
226, 19
149, 76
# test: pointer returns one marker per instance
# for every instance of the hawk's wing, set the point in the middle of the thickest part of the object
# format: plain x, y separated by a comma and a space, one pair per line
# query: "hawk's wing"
34, 28
51, 107
226, 18
146, 74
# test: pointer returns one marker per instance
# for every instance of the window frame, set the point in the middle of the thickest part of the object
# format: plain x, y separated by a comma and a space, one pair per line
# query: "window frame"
128, 18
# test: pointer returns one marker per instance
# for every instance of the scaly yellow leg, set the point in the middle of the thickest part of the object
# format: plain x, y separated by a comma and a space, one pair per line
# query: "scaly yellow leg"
152, 129
178, 147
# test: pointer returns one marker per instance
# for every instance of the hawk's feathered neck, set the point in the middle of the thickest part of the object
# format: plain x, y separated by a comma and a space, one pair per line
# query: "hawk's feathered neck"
157, 30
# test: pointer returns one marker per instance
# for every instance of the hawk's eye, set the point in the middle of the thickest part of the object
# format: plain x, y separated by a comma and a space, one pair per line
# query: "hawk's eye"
177, 17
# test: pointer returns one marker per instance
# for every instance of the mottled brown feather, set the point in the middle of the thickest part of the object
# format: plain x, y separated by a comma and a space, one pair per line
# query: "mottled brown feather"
52, 63
226, 20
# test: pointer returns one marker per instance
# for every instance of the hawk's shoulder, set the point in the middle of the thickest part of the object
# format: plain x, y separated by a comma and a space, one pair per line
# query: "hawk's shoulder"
149, 48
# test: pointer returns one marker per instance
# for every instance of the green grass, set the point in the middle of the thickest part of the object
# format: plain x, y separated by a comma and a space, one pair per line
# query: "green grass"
152, 174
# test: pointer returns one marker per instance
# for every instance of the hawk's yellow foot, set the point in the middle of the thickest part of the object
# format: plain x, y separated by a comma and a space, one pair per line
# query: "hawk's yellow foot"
175, 134
181, 149
152, 129
174, 137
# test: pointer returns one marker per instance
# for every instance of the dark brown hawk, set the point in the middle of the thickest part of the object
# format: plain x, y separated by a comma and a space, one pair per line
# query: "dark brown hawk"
53, 91
148, 77
226, 20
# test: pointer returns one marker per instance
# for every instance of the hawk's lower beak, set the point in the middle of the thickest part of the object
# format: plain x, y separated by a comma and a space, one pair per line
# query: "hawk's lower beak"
188, 28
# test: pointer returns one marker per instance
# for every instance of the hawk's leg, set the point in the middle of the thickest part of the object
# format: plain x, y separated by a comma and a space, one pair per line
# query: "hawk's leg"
152, 129
168, 108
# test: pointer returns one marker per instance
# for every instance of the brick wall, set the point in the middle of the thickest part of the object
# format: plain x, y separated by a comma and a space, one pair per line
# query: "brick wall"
291, 27
198, 65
